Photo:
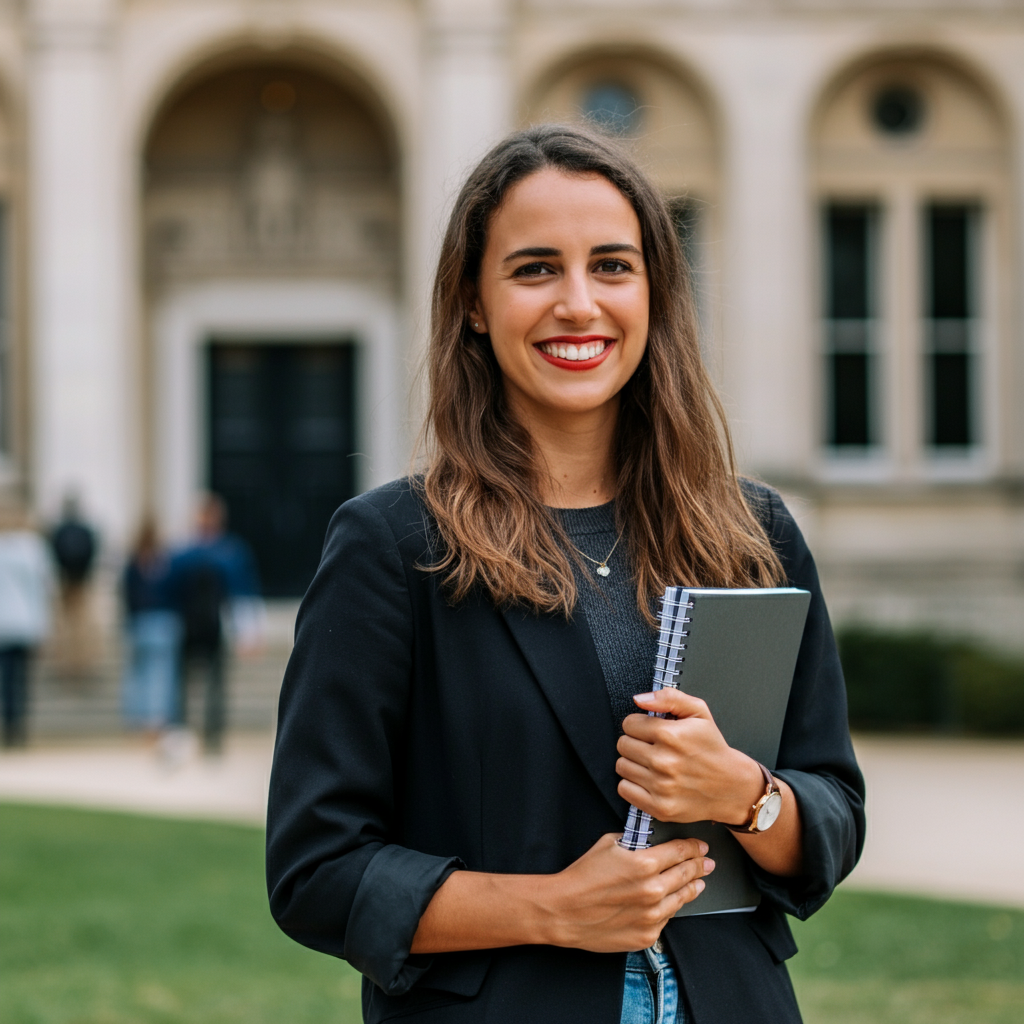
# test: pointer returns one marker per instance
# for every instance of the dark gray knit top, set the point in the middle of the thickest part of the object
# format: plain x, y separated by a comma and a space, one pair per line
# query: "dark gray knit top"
625, 644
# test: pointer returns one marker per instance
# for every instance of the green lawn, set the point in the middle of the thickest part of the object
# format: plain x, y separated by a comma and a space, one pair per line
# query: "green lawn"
118, 919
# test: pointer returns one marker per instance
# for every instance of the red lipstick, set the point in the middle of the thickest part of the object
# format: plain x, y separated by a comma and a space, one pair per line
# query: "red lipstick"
575, 340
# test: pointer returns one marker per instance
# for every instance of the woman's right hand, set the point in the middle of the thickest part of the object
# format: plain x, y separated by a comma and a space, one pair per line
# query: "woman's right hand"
613, 900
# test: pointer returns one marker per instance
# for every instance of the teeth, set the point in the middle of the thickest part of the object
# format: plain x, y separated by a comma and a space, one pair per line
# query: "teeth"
574, 353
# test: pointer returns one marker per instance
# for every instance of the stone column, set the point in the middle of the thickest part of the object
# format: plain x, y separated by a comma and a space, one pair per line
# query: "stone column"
465, 106
771, 350
82, 441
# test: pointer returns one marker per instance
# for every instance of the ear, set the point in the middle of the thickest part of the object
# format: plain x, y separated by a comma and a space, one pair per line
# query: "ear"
474, 311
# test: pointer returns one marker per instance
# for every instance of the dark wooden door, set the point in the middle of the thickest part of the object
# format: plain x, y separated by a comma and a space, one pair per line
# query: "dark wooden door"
281, 440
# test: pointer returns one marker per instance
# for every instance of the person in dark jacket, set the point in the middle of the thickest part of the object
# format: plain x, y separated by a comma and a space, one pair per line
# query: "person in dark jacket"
462, 724
212, 579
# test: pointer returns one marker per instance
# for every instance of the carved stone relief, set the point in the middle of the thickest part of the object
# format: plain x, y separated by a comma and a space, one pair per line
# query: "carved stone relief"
271, 170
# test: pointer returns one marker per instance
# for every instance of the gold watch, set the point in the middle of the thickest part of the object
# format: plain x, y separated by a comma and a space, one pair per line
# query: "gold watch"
766, 811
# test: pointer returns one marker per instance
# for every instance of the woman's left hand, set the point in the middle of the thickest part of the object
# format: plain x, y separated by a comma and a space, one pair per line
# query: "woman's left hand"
682, 769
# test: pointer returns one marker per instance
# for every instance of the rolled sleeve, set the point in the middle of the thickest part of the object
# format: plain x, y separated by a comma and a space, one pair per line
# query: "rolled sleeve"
395, 889
336, 878
831, 844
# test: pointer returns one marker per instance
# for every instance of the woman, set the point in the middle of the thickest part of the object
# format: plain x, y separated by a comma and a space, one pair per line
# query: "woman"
150, 685
457, 745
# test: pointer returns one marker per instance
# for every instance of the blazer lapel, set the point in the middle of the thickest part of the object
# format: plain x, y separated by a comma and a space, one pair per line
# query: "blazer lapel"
562, 656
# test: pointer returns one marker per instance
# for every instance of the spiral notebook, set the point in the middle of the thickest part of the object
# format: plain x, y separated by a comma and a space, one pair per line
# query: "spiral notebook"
737, 651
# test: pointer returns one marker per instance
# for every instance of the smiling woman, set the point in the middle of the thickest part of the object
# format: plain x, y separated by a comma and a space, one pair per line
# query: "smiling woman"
576, 305
458, 738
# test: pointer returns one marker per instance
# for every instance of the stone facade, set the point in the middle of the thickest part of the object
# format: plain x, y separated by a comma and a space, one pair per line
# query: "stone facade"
179, 170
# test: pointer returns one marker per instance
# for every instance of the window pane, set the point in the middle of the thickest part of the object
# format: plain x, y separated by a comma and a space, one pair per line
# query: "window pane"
949, 308
850, 360
848, 228
850, 400
951, 405
949, 258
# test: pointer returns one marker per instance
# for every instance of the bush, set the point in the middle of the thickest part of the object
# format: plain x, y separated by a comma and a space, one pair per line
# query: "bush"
921, 682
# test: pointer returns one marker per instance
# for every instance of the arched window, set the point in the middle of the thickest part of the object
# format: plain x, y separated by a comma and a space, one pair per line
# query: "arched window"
910, 170
613, 106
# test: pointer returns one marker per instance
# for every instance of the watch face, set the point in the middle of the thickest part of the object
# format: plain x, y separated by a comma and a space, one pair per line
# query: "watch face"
769, 812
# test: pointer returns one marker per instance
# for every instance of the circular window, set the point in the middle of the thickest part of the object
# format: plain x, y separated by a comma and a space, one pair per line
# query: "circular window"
612, 106
898, 110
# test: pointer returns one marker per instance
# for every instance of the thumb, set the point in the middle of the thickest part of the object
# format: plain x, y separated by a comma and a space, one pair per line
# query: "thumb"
673, 702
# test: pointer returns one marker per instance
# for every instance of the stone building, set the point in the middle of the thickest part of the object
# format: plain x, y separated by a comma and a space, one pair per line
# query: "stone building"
219, 218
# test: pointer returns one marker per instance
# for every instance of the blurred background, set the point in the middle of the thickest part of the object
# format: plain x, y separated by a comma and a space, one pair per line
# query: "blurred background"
217, 226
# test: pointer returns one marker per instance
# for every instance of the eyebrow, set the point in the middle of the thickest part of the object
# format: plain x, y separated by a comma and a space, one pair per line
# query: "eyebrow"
597, 250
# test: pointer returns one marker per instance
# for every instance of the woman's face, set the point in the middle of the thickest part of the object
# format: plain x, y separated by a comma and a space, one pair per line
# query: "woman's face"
563, 294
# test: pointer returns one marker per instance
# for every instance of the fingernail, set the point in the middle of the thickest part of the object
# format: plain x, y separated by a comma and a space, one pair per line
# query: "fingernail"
709, 865
699, 885
703, 848
644, 698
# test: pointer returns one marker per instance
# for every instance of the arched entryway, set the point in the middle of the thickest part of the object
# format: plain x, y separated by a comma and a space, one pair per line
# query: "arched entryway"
272, 232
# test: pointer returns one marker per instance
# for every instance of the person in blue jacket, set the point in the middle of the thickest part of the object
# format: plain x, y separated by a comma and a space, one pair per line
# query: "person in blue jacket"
213, 579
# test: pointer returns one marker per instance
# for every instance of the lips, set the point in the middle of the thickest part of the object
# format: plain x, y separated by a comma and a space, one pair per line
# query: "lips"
575, 353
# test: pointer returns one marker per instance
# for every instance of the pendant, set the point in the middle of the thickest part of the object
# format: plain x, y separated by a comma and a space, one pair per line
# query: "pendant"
603, 570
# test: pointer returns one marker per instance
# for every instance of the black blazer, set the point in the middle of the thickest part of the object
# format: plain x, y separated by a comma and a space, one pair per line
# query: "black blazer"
416, 738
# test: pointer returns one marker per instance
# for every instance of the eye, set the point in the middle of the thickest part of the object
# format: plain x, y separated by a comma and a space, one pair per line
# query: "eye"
613, 266
532, 270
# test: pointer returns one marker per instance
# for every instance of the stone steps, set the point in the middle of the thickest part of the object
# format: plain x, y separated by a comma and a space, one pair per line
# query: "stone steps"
63, 703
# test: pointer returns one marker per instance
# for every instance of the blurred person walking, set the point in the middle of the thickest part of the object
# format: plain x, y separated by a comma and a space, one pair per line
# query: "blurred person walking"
74, 545
26, 585
150, 682
214, 579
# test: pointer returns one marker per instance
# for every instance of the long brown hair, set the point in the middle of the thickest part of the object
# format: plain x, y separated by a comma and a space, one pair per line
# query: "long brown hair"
678, 497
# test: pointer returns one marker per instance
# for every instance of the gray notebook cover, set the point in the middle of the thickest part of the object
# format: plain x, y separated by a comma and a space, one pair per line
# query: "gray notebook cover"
740, 658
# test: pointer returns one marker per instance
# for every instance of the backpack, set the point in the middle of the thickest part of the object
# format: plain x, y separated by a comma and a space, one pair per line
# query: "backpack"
73, 547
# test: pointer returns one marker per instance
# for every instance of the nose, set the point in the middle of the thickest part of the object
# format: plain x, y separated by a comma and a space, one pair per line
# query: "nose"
576, 303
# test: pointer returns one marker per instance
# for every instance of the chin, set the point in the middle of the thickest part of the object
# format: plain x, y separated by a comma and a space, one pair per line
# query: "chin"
576, 403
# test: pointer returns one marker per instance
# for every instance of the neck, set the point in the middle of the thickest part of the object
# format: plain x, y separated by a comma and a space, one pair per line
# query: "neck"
575, 464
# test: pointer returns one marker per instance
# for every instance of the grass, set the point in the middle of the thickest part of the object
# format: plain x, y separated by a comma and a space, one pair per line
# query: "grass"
873, 959
118, 919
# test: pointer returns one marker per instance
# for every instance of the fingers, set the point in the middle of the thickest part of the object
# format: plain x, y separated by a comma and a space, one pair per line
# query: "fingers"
674, 853
687, 894
656, 805
664, 730
674, 702
683, 884
637, 750
636, 769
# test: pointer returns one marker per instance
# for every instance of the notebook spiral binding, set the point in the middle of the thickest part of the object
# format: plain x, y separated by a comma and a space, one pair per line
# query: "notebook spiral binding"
672, 633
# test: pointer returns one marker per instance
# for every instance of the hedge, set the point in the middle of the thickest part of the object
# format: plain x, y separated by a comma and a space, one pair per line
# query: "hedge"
918, 681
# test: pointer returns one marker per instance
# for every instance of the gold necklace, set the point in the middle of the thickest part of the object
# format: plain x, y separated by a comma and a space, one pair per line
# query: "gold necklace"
602, 566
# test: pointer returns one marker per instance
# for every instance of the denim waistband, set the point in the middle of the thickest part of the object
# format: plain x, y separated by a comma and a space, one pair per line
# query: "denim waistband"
647, 960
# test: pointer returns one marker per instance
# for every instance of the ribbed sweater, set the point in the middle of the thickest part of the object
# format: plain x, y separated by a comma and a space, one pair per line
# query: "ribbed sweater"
626, 644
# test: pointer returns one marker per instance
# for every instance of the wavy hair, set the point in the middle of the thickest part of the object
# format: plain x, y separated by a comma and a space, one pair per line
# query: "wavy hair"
678, 501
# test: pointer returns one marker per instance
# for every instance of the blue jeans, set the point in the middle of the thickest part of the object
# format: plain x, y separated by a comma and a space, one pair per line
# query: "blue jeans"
150, 686
651, 994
